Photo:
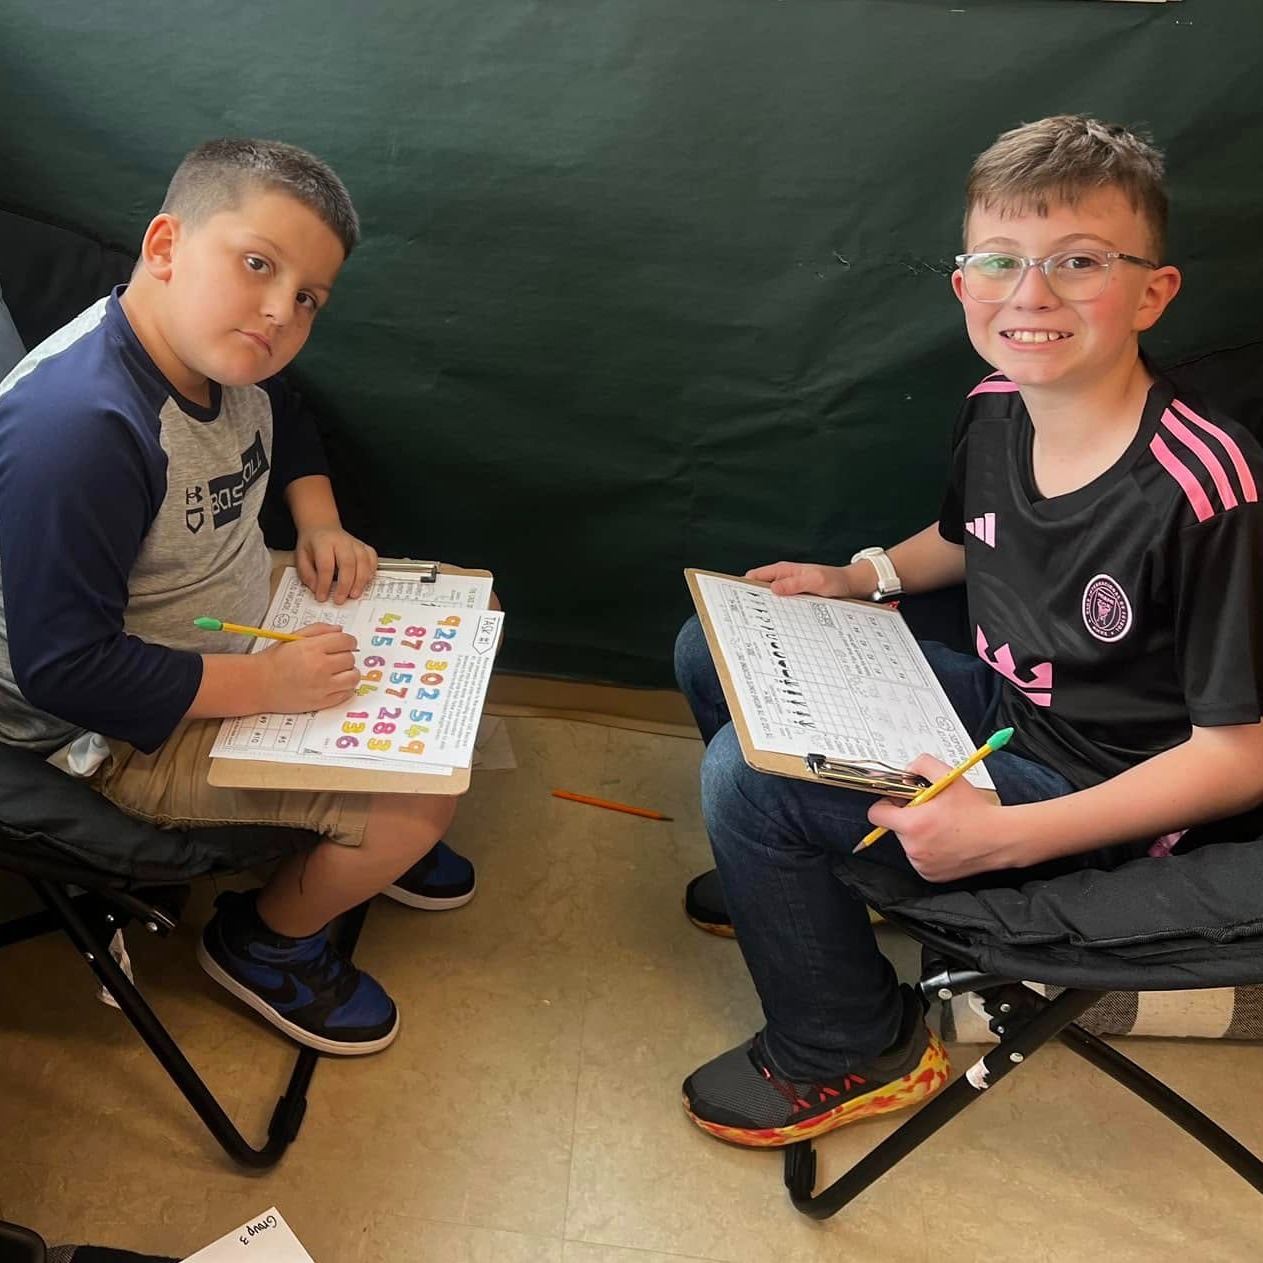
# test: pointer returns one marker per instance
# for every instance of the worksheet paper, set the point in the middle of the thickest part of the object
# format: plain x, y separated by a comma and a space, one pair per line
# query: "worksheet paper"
266, 1238
418, 704
845, 679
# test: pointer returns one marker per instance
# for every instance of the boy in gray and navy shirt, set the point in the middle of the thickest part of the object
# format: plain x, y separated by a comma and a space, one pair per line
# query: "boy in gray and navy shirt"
136, 446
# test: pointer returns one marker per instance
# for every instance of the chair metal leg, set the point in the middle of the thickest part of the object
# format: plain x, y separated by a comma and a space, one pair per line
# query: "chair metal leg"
290, 1108
1204, 1130
1017, 1045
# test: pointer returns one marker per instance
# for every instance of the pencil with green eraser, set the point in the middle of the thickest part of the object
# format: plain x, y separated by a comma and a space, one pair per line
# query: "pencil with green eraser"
215, 624
993, 743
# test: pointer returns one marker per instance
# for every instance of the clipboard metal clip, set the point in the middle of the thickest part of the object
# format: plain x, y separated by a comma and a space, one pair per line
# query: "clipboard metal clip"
876, 778
426, 571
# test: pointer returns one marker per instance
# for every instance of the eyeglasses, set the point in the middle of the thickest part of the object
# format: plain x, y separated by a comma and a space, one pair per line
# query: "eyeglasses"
1074, 275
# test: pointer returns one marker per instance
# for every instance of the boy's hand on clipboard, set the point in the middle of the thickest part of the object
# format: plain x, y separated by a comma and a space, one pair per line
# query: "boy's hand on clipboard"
790, 578
331, 561
952, 836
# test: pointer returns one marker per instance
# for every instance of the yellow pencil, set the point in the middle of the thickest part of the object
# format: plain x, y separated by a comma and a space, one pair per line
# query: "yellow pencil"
215, 624
993, 743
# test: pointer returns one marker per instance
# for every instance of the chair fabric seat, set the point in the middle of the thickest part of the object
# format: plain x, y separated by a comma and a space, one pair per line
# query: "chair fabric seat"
1180, 922
44, 812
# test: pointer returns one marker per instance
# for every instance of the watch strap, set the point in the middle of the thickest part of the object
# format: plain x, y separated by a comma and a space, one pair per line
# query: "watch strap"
888, 583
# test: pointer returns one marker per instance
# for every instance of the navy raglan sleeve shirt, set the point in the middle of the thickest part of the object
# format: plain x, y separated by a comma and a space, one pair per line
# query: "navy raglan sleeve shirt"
79, 487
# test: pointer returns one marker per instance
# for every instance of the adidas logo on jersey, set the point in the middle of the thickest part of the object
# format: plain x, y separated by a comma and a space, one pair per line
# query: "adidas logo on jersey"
983, 528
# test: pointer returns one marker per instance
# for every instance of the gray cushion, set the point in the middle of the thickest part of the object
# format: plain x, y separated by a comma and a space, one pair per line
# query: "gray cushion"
11, 348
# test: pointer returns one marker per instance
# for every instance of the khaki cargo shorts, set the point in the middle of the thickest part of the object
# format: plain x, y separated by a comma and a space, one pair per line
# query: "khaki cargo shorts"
169, 789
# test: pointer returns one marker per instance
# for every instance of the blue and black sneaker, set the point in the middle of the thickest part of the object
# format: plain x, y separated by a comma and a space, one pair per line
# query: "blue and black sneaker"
303, 986
442, 879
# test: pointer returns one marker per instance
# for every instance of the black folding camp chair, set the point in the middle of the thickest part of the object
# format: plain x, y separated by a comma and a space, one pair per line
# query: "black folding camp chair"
1182, 922
97, 870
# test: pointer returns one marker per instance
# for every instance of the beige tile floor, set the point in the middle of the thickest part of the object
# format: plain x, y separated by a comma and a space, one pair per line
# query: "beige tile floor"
529, 1111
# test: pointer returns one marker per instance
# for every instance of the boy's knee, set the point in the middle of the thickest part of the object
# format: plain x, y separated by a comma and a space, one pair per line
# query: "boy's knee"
726, 778
692, 655
409, 825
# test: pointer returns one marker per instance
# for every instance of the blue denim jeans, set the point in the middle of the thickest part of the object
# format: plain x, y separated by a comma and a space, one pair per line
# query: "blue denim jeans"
830, 997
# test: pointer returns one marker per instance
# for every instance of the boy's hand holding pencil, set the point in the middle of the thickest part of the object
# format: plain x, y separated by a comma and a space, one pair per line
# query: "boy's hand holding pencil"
315, 671
951, 838
313, 668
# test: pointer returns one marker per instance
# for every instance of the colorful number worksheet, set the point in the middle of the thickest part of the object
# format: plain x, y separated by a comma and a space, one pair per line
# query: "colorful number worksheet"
425, 652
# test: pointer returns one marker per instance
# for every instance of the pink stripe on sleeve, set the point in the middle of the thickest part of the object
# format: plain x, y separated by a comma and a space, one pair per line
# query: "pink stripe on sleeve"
1248, 489
1209, 459
992, 387
1184, 476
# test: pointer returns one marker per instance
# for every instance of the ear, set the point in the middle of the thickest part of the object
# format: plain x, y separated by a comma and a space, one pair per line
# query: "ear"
1162, 286
157, 248
958, 286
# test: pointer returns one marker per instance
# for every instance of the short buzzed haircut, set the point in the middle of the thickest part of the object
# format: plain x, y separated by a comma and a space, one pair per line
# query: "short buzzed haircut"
218, 174
1059, 160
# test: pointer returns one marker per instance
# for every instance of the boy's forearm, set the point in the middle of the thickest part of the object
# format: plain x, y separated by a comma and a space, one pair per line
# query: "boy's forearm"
926, 561
1213, 775
311, 502
232, 685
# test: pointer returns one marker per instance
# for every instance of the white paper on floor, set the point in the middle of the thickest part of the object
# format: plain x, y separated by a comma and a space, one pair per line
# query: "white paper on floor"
266, 1238
118, 949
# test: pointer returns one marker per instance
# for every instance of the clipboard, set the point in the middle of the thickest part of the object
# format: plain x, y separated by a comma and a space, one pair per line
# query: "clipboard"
262, 774
872, 777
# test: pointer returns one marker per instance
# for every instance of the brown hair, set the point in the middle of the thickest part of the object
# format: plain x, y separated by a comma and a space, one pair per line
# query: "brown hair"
218, 173
1060, 160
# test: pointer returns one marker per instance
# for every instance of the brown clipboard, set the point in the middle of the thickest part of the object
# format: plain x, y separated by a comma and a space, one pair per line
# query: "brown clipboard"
870, 777
263, 774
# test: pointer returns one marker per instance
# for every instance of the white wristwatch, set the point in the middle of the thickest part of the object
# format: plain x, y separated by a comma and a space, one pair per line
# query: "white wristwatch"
888, 584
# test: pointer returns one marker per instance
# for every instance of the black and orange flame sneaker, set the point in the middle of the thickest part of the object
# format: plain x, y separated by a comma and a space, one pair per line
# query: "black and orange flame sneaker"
741, 1098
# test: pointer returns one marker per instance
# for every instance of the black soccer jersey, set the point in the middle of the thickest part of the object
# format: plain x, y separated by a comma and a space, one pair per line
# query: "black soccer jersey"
1124, 612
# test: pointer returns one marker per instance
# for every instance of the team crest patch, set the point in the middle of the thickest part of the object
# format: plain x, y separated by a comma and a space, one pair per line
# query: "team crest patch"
1106, 609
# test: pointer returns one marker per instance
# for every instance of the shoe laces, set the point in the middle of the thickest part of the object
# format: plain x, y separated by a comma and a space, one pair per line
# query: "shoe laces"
337, 973
797, 1094
320, 964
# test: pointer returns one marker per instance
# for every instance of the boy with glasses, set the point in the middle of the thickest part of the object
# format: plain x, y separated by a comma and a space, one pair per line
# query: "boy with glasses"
1109, 535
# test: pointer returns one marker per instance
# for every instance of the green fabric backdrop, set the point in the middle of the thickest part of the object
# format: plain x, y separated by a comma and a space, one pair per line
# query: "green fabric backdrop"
644, 283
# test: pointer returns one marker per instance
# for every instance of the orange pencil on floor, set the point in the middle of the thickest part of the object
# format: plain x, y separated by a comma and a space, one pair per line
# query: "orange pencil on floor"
609, 806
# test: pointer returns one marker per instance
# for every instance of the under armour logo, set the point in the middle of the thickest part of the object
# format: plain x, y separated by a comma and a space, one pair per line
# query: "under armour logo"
194, 512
